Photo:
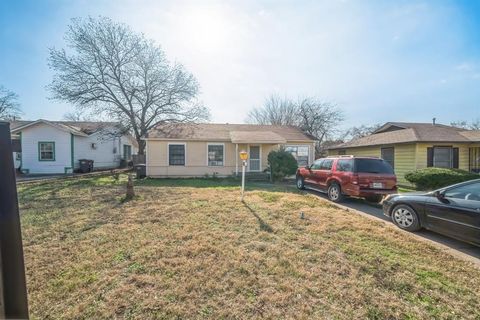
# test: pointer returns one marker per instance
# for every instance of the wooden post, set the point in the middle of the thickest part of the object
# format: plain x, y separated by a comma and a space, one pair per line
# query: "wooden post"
130, 190
13, 303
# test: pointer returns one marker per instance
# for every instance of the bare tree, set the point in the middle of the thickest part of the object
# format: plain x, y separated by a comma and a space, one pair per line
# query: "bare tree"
360, 131
9, 106
276, 111
117, 73
474, 125
78, 115
315, 117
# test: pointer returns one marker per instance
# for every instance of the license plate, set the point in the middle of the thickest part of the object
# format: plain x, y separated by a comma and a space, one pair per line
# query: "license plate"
377, 185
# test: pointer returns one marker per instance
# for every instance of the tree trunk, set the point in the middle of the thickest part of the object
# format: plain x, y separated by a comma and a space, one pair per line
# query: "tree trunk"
130, 190
141, 146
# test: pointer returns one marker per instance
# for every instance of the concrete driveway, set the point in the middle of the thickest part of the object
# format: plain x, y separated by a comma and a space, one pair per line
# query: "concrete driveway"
458, 248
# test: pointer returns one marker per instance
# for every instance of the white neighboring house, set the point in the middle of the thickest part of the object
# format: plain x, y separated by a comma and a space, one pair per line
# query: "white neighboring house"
57, 146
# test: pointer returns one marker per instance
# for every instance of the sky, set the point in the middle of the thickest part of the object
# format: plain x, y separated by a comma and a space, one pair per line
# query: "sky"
378, 61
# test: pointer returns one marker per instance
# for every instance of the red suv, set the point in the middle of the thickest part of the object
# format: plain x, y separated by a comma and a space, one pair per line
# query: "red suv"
339, 176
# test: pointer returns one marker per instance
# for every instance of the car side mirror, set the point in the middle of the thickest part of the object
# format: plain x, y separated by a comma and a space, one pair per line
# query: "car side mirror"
440, 195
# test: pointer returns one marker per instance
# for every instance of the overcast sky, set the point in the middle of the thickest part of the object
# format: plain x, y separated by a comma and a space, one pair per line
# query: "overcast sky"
378, 60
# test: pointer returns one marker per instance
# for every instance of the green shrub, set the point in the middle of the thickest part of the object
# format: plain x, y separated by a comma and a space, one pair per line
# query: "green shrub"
281, 164
434, 178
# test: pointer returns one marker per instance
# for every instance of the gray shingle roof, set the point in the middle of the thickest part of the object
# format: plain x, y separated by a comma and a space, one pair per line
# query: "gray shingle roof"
222, 132
403, 132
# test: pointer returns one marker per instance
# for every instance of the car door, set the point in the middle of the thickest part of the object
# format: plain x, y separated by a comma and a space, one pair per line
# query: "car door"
311, 178
324, 173
456, 212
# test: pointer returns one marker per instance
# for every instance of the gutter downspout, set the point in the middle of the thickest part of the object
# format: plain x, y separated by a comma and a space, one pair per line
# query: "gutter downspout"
236, 159
72, 148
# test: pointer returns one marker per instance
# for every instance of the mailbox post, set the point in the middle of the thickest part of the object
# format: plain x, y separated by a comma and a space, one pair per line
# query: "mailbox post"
244, 158
13, 292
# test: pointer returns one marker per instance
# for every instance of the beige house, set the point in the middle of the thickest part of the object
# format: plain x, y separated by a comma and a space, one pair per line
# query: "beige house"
194, 150
410, 146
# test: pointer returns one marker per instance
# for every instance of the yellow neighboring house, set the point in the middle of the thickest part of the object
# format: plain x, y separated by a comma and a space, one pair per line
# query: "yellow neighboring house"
410, 146
195, 150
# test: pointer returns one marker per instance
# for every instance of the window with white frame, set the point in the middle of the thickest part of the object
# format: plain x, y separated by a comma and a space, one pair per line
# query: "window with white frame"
176, 154
46, 151
300, 153
215, 154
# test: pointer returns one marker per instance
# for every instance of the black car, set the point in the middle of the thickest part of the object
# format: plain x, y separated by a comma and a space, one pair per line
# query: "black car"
453, 211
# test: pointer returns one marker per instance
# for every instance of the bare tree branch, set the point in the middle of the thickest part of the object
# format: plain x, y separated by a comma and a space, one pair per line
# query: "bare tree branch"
315, 117
473, 125
359, 131
113, 72
9, 106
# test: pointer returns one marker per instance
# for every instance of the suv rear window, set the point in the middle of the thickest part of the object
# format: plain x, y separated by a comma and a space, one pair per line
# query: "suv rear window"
373, 166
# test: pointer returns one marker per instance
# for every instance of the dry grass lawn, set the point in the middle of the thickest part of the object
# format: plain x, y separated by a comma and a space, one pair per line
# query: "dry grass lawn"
190, 250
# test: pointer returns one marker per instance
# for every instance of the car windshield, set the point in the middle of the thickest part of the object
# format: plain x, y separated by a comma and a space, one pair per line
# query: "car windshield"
373, 166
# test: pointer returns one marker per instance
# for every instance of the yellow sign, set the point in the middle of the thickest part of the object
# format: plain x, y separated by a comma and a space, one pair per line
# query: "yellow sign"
243, 155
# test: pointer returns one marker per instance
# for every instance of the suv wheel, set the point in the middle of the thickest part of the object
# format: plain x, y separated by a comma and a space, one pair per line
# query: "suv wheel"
405, 218
300, 183
375, 198
334, 192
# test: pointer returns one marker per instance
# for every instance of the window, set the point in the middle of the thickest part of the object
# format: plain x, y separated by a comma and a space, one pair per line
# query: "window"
467, 192
176, 154
127, 152
317, 164
373, 166
326, 164
215, 155
442, 157
46, 151
300, 153
388, 154
345, 165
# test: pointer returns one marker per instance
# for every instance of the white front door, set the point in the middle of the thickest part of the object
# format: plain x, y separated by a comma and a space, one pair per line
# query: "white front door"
254, 156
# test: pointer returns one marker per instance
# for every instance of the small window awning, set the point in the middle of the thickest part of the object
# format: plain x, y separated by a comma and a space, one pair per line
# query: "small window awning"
256, 137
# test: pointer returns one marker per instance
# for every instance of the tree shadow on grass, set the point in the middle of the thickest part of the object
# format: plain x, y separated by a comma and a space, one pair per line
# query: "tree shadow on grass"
263, 225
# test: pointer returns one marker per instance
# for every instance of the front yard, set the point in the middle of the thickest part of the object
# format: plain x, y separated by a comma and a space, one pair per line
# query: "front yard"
191, 249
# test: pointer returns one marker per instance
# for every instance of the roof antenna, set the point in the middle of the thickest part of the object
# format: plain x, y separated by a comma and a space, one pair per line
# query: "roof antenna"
434, 120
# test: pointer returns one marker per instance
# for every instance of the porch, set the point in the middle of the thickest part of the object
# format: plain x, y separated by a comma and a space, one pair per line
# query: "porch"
259, 144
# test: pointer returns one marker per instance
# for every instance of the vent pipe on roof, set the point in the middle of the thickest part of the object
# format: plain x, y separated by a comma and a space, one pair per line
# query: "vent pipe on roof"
434, 120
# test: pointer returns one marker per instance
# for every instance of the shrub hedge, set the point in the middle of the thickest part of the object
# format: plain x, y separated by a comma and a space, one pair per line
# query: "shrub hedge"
434, 178
281, 164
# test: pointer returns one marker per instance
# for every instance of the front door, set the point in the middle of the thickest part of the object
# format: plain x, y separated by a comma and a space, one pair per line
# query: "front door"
324, 173
254, 162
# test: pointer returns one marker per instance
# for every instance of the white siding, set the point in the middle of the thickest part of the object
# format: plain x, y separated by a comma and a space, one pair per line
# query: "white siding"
41, 132
102, 155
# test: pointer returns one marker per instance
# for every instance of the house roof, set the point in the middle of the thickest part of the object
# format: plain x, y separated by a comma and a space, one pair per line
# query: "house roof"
236, 133
80, 128
403, 132
256, 137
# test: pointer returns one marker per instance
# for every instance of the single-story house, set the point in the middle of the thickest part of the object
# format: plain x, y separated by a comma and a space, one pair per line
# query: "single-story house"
48, 147
410, 146
189, 150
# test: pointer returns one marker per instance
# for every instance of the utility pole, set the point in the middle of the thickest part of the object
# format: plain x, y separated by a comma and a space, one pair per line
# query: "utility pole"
13, 290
